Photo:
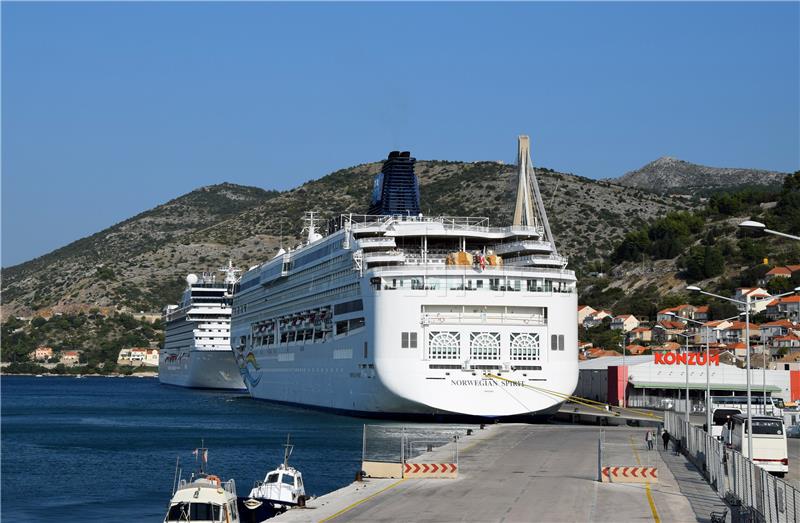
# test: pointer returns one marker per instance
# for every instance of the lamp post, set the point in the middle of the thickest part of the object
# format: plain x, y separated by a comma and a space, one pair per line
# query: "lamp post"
758, 226
686, 353
747, 303
708, 363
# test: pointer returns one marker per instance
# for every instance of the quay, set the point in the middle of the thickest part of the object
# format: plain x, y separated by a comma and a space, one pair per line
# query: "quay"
519, 472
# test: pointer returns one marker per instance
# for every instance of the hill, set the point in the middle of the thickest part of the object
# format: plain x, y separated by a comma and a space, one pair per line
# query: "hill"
669, 174
140, 264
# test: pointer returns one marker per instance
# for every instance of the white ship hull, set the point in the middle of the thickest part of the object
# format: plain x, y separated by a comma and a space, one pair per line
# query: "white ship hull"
340, 375
200, 369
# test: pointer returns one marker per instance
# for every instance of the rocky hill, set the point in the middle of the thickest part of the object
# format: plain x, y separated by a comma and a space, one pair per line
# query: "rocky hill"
673, 175
140, 264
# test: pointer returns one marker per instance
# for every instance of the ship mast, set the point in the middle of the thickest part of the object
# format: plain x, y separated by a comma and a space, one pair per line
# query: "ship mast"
525, 214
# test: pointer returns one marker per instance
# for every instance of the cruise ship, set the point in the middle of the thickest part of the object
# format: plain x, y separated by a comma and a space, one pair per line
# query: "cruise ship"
395, 314
197, 350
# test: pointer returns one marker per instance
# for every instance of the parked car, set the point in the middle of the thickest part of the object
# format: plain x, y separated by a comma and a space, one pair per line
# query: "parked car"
793, 431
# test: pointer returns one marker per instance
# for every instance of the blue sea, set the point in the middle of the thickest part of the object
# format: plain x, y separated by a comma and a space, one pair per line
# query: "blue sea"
104, 449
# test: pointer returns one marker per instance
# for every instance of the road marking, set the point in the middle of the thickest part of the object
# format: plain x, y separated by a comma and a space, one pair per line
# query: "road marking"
357, 503
646, 485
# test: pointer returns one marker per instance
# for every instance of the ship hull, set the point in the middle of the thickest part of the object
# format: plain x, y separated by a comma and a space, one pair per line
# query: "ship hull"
368, 373
200, 369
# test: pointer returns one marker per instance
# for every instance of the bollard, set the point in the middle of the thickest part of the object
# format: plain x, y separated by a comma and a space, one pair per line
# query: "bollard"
301, 501
430, 447
469, 432
483, 426
360, 475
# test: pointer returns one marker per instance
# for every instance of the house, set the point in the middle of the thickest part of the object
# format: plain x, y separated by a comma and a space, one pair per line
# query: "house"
735, 332
701, 313
789, 341
138, 356
758, 298
712, 331
600, 353
596, 318
667, 330
41, 354
789, 362
784, 271
625, 322
644, 334
776, 328
684, 311
635, 349
787, 307
669, 346
583, 312
70, 358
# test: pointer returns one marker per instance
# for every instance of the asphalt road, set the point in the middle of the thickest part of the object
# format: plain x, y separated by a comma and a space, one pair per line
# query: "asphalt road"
531, 473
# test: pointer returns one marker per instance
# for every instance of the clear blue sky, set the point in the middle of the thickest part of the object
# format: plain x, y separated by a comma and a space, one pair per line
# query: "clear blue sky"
110, 109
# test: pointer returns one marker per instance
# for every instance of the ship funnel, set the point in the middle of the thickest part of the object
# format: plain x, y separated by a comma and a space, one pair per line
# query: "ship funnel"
529, 210
396, 188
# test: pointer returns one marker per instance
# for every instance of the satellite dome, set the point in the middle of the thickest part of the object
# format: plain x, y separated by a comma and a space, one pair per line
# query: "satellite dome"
191, 279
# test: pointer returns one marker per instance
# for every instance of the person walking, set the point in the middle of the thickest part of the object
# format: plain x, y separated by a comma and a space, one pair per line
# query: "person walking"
649, 439
665, 439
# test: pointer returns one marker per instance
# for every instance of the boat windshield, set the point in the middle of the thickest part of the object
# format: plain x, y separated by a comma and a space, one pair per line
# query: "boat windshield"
288, 479
193, 512
273, 478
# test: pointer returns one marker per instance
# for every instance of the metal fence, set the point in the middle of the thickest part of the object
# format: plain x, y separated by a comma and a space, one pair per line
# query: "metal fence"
392, 443
755, 494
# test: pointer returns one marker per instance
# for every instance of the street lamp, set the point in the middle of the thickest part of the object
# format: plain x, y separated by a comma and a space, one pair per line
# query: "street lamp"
686, 353
746, 303
708, 365
758, 226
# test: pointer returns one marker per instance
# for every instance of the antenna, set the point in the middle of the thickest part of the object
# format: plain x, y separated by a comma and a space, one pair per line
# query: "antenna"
524, 212
231, 273
287, 452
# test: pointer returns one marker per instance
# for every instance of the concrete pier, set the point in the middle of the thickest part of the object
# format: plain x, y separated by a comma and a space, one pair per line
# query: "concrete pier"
520, 473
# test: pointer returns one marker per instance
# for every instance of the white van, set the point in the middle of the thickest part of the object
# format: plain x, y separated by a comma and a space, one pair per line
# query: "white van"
770, 450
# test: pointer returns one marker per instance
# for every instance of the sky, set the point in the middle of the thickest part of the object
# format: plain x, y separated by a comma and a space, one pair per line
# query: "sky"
109, 109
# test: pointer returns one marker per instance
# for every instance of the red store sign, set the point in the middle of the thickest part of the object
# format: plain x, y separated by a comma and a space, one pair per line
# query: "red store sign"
692, 358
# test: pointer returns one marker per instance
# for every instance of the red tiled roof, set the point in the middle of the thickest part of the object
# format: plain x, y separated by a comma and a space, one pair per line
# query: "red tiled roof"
779, 323
779, 270
70, 353
740, 325
667, 324
641, 329
788, 337
702, 308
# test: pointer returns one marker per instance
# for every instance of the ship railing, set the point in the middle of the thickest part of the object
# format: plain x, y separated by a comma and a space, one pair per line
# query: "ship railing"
415, 264
465, 223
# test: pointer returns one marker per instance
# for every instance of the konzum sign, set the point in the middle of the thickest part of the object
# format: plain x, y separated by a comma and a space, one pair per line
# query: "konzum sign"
693, 358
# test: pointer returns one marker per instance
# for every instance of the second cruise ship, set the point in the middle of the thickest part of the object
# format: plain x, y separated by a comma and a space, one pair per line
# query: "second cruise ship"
396, 313
197, 350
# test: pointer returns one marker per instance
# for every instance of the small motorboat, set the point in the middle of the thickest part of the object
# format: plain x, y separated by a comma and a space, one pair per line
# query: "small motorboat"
281, 489
203, 498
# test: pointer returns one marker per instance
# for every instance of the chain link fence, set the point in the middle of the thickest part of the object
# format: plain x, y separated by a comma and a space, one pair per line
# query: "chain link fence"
755, 494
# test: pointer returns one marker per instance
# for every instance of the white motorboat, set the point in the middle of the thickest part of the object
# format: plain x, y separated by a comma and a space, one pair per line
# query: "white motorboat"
282, 487
203, 498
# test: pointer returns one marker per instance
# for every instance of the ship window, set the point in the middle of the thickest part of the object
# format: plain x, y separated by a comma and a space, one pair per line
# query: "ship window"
412, 341
403, 340
479, 284
554, 342
408, 340
494, 284
444, 345
484, 345
560, 342
272, 478
288, 480
525, 346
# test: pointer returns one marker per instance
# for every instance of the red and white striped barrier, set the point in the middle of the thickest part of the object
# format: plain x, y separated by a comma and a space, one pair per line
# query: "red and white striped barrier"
629, 475
430, 470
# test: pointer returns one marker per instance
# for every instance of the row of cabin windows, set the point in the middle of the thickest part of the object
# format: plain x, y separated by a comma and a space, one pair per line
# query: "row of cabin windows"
494, 284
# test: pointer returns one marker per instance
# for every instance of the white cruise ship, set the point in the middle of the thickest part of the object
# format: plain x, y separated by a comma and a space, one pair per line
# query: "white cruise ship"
395, 313
197, 350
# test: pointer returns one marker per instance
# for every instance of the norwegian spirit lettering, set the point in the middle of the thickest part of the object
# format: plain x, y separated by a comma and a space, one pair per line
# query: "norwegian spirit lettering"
484, 383
693, 358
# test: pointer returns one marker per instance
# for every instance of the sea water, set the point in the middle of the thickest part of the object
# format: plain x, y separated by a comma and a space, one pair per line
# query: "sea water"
104, 449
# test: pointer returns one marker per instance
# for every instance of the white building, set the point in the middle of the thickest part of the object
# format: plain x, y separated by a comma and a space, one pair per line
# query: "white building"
648, 381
